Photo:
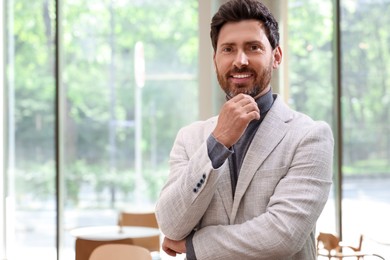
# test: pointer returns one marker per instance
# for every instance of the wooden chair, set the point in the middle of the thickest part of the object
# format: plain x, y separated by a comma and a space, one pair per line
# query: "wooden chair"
144, 219
330, 246
120, 252
84, 247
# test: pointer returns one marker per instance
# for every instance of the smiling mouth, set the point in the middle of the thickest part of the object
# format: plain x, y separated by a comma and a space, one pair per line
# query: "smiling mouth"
241, 76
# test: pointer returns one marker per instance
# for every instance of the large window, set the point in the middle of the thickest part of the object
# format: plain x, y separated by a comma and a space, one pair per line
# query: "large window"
130, 75
366, 116
128, 80
127, 83
310, 75
30, 180
365, 107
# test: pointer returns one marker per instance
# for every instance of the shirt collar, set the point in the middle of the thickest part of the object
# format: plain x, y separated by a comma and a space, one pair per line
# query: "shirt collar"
265, 102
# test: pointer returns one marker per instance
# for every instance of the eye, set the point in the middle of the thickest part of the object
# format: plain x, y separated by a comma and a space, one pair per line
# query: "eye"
255, 48
227, 49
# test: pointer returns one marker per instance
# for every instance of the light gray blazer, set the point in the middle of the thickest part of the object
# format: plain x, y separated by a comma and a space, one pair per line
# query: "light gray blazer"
282, 188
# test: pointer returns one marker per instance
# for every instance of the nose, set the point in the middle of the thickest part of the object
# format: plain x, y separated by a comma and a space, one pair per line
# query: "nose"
241, 60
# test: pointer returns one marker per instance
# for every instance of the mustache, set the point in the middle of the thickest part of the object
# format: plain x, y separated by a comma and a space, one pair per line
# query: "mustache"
242, 70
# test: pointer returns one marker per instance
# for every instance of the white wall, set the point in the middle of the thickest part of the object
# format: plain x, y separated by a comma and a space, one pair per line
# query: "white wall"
279, 8
2, 212
205, 67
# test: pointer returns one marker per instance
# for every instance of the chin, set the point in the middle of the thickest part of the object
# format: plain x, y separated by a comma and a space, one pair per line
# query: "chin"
253, 92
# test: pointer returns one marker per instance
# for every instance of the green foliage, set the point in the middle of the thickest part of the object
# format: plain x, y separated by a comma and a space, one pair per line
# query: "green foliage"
375, 167
365, 66
35, 187
310, 60
98, 39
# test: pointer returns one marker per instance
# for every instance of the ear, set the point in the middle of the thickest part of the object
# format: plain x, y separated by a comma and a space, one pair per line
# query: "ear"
215, 64
277, 57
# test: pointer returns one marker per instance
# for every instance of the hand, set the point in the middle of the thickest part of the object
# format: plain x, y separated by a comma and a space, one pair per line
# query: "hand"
234, 118
172, 247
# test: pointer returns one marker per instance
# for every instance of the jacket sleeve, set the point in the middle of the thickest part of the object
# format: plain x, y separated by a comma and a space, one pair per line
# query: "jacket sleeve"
190, 186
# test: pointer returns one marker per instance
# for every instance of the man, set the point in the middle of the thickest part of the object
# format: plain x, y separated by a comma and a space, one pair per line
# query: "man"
252, 182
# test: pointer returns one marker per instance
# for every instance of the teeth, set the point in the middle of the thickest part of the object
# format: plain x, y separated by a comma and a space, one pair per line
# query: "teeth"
241, 76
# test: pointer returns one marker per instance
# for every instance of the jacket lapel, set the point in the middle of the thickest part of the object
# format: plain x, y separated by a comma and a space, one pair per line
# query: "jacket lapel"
270, 133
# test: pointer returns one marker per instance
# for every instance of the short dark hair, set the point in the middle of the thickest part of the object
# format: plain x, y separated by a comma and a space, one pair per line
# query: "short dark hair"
239, 10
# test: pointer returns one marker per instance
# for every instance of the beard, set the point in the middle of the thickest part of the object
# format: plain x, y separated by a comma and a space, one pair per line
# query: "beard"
261, 82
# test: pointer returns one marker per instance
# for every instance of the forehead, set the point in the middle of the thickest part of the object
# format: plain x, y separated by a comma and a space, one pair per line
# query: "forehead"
241, 32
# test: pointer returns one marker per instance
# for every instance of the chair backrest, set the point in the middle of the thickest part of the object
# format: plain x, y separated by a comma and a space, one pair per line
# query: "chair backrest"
145, 219
328, 241
120, 252
85, 247
332, 242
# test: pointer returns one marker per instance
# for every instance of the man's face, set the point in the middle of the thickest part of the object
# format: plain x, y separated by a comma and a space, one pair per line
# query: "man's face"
244, 59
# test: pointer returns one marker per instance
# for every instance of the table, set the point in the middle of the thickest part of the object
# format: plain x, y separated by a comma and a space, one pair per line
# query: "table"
108, 233
90, 237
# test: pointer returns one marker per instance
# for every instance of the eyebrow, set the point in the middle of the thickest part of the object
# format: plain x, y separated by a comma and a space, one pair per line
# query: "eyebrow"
227, 43
255, 42
245, 43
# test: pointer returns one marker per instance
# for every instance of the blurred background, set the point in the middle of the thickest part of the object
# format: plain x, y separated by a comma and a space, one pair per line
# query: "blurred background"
94, 92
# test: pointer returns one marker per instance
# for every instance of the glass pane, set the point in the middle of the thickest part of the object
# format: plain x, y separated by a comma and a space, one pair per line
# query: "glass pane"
366, 113
30, 201
310, 29
119, 129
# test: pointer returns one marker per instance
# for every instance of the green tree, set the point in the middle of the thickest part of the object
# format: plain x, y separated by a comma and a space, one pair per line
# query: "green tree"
98, 78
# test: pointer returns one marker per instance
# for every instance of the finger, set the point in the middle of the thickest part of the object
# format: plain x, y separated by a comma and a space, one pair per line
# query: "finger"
169, 251
254, 115
247, 102
242, 99
252, 107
